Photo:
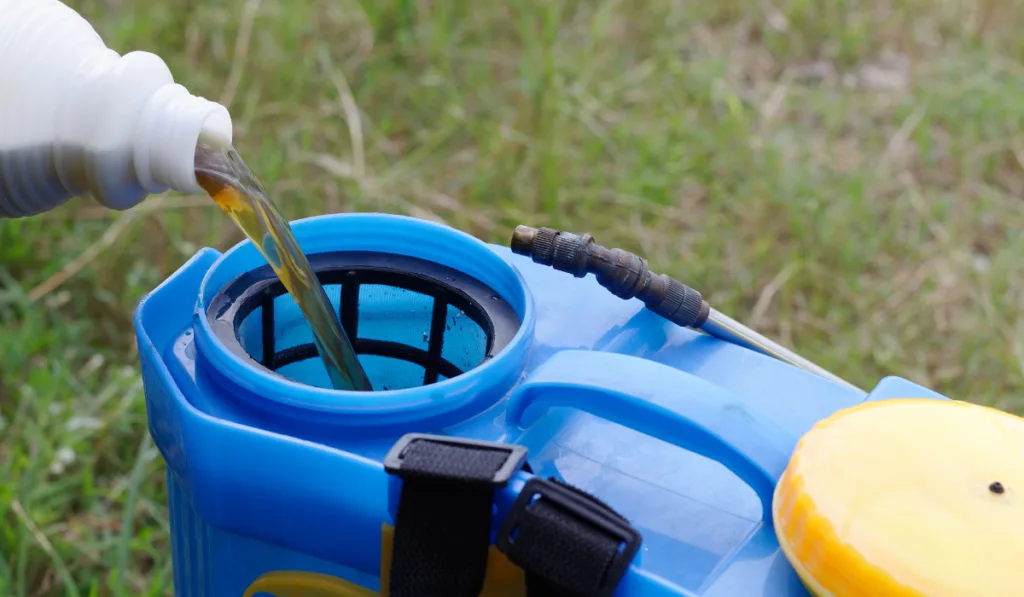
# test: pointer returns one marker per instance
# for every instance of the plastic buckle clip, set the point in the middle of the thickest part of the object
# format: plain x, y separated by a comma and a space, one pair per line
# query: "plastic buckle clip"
408, 459
578, 508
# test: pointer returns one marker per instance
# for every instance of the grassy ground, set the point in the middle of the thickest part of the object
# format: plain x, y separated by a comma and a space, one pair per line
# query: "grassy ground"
845, 176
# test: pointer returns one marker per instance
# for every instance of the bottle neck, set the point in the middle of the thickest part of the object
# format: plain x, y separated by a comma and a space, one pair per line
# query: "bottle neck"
170, 127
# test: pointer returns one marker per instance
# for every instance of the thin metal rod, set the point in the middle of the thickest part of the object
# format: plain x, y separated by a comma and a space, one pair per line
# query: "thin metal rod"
626, 276
726, 328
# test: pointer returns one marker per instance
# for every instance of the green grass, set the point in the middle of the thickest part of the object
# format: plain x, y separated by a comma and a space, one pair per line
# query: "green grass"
845, 176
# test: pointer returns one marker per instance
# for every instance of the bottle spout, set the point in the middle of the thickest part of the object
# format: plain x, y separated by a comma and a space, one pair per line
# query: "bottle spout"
173, 124
217, 129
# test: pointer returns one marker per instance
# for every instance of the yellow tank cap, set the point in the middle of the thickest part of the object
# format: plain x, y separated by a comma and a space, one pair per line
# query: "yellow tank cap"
909, 498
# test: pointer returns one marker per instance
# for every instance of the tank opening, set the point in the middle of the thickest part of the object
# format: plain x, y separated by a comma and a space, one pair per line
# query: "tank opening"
411, 321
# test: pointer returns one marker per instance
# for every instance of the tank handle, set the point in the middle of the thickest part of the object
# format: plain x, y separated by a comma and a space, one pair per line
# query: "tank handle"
665, 403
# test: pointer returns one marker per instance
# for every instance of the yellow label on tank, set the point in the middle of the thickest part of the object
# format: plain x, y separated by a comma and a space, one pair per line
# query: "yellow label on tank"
286, 583
503, 578
908, 498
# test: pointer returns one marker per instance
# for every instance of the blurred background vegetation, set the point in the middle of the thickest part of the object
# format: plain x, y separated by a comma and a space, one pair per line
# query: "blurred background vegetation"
845, 177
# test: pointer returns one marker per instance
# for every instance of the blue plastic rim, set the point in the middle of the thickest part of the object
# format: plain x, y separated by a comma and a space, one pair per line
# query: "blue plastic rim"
403, 402
412, 322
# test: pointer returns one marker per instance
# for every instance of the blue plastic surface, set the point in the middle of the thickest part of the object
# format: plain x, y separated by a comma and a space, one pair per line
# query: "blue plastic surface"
683, 434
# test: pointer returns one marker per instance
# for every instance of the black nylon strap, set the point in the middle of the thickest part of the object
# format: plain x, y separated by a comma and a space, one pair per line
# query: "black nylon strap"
441, 540
586, 553
569, 543
442, 527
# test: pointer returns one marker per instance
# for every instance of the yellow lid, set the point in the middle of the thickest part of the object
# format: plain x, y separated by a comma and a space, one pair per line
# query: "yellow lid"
908, 497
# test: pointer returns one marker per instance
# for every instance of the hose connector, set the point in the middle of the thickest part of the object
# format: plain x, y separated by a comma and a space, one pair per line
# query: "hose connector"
624, 274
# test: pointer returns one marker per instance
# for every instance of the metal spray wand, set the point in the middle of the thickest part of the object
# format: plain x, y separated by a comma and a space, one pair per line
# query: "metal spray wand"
626, 275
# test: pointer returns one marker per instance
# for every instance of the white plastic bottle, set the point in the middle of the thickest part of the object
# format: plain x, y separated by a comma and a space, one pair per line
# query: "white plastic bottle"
77, 119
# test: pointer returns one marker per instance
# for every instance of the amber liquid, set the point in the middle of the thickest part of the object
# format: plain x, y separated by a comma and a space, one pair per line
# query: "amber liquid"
235, 189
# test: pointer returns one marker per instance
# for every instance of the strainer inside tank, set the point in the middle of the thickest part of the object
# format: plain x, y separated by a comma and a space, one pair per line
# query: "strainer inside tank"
412, 322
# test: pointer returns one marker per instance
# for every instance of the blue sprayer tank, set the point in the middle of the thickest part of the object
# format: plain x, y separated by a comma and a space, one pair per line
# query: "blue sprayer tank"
272, 477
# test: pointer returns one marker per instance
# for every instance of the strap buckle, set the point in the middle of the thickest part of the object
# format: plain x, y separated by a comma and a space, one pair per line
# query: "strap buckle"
601, 545
420, 455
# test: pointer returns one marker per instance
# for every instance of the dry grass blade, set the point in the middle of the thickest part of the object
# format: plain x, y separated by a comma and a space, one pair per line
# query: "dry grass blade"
768, 293
84, 258
242, 43
110, 236
46, 546
102, 213
350, 110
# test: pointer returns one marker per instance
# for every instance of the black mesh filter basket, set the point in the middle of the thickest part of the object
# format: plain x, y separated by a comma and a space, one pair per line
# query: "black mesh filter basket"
412, 322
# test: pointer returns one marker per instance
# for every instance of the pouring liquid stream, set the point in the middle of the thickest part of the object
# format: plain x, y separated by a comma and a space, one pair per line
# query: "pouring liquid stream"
235, 189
